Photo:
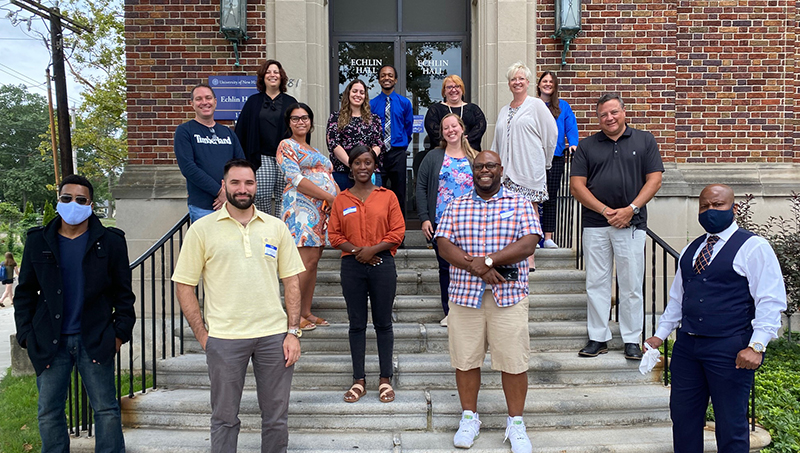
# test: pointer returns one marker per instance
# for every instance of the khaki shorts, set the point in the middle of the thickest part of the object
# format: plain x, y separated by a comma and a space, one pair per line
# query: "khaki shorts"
471, 331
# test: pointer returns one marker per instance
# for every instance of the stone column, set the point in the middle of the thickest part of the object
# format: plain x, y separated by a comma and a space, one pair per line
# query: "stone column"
503, 32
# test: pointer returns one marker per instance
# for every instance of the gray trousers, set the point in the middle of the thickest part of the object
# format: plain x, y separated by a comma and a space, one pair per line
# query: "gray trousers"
227, 365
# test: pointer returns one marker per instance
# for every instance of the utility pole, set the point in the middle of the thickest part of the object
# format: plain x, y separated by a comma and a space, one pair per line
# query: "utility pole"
59, 74
52, 127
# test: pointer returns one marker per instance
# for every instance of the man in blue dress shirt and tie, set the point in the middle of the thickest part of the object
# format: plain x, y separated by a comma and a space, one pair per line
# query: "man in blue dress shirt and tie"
726, 301
397, 124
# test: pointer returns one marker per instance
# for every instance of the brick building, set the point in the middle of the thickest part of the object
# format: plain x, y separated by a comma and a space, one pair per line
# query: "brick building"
714, 81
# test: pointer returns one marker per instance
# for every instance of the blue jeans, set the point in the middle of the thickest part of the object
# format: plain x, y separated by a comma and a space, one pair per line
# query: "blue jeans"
196, 213
53, 385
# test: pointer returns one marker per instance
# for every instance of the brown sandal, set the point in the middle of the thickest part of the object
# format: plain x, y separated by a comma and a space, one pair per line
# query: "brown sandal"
306, 325
355, 393
386, 393
320, 322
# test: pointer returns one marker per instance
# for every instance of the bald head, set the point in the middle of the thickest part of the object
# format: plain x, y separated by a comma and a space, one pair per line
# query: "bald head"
487, 171
716, 196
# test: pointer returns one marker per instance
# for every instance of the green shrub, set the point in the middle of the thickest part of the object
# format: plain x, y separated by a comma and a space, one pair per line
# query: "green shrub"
778, 396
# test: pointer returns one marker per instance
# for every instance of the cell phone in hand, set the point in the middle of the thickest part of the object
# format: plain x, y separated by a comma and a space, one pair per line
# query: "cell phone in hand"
509, 274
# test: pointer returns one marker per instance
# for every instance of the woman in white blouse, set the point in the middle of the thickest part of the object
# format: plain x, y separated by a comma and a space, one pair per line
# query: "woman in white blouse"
525, 136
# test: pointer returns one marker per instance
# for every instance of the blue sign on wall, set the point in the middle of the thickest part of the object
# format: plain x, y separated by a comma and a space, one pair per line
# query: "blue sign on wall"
419, 123
232, 92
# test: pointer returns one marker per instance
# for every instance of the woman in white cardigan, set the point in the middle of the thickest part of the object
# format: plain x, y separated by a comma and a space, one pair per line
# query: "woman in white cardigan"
525, 136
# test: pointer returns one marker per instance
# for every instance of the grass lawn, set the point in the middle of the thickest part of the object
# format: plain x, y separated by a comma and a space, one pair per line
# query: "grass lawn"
19, 429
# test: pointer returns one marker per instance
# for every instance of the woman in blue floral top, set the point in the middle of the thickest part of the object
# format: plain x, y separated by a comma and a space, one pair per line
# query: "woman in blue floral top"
354, 124
307, 201
444, 175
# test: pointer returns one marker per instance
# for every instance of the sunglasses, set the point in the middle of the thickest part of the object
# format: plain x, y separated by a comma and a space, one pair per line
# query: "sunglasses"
79, 199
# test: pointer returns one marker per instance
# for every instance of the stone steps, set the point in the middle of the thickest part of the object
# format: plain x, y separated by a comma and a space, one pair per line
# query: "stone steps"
421, 371
574, 404
425, 259
655, 438
418, 281
413, 410
422, 308
418, 338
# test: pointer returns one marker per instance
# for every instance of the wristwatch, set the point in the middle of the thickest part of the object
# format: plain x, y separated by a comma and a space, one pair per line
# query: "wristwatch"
635, 208
756, 346
488, 261
296, 332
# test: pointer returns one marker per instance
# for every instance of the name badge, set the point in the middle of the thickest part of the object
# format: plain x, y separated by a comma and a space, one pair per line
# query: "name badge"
349, 210
506, 214
270, 251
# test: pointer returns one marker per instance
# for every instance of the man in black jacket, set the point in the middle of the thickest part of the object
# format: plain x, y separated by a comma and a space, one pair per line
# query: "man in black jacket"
74, 304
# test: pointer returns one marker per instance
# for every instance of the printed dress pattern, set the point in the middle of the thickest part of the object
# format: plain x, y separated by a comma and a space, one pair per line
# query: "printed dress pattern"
306, 217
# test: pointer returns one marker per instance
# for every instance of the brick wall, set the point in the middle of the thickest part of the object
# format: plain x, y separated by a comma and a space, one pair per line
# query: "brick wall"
714, 81
171, 46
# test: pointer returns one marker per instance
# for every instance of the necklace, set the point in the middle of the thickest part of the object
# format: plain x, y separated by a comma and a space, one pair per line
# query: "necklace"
460, 112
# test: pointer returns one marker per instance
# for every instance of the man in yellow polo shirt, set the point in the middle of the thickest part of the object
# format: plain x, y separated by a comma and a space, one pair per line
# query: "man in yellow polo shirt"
240, 253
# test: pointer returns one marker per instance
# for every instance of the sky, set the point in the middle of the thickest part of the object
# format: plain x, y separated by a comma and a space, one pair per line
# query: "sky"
24, 57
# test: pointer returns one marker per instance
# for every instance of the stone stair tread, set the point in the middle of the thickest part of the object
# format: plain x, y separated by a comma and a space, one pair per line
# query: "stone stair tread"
655, 438
410, 363
630, 403
417, 300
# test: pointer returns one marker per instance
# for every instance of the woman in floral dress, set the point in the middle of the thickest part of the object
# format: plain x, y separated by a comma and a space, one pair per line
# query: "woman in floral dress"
307, 198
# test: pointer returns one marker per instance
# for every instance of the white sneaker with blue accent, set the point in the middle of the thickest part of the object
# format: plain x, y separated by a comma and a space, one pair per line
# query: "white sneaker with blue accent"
468, 430
515, 430
550, 244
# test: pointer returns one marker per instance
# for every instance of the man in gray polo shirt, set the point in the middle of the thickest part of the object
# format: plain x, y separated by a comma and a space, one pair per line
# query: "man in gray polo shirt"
615, 172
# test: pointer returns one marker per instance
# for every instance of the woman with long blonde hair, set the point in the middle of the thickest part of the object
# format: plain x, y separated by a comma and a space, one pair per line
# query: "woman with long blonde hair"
444, 175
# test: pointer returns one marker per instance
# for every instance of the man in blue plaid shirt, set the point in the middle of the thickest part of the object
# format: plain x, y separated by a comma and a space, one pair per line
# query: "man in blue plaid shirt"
486, 236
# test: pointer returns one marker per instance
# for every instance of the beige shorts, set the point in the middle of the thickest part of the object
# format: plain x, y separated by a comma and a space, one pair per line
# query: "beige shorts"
471, 331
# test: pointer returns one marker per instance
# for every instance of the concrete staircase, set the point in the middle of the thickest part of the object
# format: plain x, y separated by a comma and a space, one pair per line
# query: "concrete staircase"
574, 404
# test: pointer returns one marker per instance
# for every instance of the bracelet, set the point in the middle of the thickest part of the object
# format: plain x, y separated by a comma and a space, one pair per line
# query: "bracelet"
603, 212
353, 251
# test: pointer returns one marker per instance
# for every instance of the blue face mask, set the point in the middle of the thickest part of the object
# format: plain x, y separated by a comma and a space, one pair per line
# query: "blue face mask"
74, 213
715, 220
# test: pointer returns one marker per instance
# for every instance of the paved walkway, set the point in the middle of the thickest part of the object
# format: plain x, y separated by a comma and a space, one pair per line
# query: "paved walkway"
7, 329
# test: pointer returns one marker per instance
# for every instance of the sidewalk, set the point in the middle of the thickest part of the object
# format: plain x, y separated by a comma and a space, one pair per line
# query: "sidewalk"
7, 329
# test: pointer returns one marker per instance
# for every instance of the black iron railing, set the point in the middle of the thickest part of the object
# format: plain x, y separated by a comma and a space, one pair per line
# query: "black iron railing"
661, 264
157, 329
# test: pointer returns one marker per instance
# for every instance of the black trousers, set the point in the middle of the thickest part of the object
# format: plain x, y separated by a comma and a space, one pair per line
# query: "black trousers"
379, 284
554, 176
704, 367
394, 171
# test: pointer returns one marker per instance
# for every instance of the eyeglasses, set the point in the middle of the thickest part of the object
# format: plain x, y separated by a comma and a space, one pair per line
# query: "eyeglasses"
518, 79
79, 199
452, 87
297, 119
489, 166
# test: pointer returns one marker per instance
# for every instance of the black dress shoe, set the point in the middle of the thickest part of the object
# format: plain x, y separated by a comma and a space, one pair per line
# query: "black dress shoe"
594, 349
633, 351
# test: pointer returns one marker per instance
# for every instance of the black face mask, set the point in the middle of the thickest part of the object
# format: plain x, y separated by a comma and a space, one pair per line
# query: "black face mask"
715, 220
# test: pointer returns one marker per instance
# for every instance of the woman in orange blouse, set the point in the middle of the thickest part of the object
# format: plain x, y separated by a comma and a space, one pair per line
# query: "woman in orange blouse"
367, 226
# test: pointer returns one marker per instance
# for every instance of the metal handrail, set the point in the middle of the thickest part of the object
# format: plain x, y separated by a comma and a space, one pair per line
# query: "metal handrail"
79, 411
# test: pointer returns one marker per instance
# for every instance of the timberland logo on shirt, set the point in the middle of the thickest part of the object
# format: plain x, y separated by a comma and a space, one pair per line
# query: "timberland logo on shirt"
213, 140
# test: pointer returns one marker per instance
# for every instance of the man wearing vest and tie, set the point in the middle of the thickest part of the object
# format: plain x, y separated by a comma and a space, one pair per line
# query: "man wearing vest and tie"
397, 124
726, 301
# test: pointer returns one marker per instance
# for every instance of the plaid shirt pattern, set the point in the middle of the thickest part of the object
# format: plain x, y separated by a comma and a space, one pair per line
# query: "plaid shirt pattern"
481, 227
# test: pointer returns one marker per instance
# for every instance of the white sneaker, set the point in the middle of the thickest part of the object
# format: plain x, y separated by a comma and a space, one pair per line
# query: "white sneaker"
443, 322
515, 430
550, 244
468, 430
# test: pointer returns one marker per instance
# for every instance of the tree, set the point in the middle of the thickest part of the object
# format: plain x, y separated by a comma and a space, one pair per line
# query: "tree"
25, 172
97, 62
